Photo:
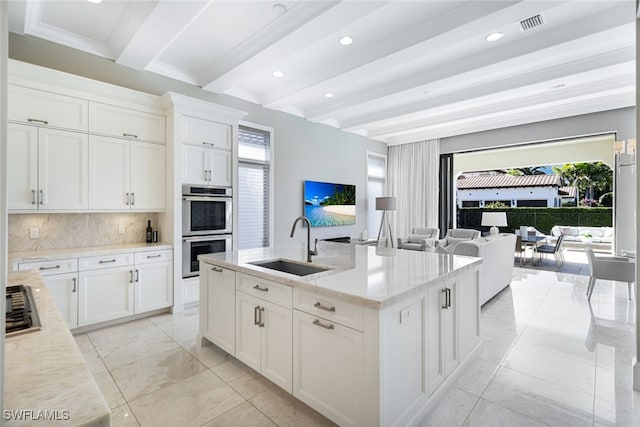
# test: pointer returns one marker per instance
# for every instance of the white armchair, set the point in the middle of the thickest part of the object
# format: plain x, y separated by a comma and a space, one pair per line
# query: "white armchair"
618, 268
420, 239
455, 235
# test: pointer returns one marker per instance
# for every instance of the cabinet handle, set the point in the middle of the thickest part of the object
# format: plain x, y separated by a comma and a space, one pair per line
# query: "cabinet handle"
133, 199
216, 269
137, 275
130, 276
129, 135
42, 202
448, 297
154, 256
322, 325
209, 143
33, 197
44, 122
106, 261
206, 176
126, 199
444, 291
261, 322
53, 267
256, 309
322, 307
259, 288
74, 284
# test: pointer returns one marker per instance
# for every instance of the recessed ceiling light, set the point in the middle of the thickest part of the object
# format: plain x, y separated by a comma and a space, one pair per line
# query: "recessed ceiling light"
278, 73
328, 95
345, 40
279, 9
95, 1
494, 36
558, 86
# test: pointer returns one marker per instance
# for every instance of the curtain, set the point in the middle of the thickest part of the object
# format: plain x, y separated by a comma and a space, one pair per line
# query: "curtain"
412, 177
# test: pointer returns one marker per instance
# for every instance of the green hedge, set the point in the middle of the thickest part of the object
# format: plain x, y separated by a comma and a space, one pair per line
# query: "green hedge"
540, 218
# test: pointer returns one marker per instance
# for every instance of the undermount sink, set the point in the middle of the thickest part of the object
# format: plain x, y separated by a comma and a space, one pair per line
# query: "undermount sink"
290, 267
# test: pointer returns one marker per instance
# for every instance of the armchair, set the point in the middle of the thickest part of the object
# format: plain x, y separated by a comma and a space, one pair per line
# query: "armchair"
420, 239
455, 235
617, 268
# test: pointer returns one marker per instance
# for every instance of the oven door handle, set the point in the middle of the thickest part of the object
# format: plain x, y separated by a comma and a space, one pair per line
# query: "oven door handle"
206, 198
206, 238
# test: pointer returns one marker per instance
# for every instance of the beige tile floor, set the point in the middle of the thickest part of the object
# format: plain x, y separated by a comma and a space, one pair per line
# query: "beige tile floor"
548, 358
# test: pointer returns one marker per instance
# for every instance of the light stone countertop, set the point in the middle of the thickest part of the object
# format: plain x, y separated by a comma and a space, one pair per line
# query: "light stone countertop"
45, 371
360, 274
54, 254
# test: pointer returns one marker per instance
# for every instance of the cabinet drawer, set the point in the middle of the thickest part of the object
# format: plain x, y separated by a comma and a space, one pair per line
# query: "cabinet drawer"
47, 268
265, 289
39, 107
153, 256
338, 311
124, 122
105, 261
205, 133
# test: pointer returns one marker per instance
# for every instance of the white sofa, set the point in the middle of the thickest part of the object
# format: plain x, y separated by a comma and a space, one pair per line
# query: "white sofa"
497, 253
575, 234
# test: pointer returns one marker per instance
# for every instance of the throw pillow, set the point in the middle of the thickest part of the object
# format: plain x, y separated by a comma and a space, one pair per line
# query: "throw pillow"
416, 238
454, 240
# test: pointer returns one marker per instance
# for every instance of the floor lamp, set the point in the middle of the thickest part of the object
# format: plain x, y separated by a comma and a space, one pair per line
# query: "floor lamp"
385, 204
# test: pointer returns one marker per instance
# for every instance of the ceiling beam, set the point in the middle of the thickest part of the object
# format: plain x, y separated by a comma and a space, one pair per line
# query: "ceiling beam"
515, 51
211, 78
149, 27
438, 30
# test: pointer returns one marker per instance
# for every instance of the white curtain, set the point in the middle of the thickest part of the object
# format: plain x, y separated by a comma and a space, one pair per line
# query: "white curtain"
412, 177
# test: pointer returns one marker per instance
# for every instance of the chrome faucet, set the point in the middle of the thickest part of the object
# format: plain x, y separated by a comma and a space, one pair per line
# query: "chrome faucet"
309, 250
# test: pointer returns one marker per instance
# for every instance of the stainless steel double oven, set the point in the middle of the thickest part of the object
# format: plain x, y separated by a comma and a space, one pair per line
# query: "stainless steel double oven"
206, 224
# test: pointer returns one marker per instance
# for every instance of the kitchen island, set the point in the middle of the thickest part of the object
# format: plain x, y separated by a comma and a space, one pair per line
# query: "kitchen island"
374, 339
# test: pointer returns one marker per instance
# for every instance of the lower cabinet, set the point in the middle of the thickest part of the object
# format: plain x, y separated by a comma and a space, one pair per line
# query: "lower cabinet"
105, 294
217, 305
64, 290
263, 338
154, 281
328, 368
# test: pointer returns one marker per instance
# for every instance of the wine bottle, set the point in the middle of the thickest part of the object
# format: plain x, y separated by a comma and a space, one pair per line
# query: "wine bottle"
149, 232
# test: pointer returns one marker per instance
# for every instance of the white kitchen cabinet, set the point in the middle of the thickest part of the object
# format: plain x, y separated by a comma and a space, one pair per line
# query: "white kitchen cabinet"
47, 168
196, 131
105, 294
126, 174
264, 337
44, 108
125, 122
327, 368
153, 281
206, 166
218, 296
442, 339
64, 290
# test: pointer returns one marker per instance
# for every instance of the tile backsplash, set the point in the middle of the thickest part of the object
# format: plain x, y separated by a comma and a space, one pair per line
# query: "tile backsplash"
71, 230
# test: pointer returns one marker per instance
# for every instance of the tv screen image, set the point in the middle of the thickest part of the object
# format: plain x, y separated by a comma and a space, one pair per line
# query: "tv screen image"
327, 204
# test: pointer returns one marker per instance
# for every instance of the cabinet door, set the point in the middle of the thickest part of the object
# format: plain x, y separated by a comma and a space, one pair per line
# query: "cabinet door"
109, 173
46, 108
248, 329
434, 339
327, 368
22, 166
197, 131
220, 167
195, 163
468, 304
63, 169
153, 286
64, 290
125, 122
218, 306
147, 176
276, 341
105, 295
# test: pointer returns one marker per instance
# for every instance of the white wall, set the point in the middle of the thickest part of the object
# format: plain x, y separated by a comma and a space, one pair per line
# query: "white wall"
3, 182
302, 151
509, 195
621, 121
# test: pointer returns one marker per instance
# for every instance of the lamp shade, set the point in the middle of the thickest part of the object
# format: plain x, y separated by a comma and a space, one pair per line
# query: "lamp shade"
494, 219
386, 203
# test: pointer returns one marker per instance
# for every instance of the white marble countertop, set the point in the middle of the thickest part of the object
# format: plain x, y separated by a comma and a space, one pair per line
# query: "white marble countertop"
53, 254
358, 274
45, 371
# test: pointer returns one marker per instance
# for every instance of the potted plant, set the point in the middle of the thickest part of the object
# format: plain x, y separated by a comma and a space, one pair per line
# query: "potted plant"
586, 237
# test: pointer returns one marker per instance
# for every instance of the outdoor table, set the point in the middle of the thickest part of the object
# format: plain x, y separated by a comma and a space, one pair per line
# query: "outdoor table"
534, 242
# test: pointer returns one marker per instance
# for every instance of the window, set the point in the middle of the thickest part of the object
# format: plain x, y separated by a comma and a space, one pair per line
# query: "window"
254, 156
471, 203
376, 174
541, 203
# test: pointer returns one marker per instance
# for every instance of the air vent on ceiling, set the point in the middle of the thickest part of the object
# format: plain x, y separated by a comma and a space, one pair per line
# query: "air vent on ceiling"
531, 22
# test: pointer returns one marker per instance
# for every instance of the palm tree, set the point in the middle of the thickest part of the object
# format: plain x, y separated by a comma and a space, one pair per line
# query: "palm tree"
591, 179
534, 170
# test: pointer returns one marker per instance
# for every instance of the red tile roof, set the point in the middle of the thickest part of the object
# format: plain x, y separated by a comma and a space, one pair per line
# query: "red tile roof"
502, 181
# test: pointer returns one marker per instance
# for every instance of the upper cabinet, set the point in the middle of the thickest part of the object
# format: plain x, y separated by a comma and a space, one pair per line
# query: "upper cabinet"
210, 134
126, 123
44, 108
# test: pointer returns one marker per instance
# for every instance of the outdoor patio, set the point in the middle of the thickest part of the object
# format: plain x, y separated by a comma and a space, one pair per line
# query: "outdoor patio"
576, 262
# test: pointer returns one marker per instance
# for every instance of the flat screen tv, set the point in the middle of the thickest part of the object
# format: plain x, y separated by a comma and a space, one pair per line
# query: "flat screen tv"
327, 204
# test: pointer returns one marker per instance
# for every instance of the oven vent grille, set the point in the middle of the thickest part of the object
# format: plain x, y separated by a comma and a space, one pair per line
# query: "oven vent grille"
531, 22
